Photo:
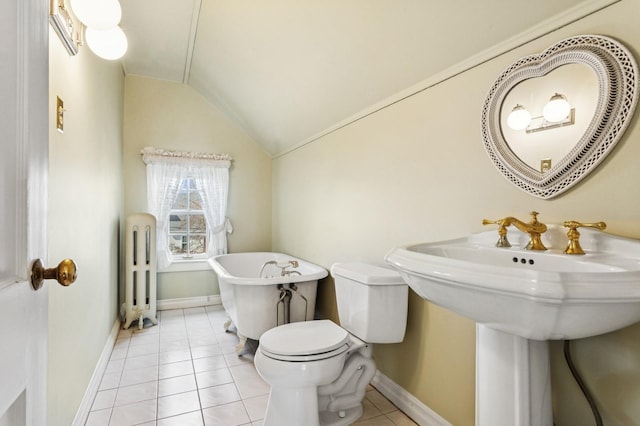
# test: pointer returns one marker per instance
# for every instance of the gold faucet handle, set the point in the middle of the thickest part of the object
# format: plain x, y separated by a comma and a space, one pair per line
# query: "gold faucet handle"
573, 224
574, 236
502, 232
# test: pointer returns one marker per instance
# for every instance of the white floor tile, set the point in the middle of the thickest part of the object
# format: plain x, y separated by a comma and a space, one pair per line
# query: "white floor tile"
177, 384
209, 363
142, 361
174, 356
150, 348
136, 393
122, 342
185, 371
134, 414
218, 395
380, 402
104, 399
115, 366
213, 378
256, 407
144, 339
248, 382
229, 415
99, 418
190, 419
180, 403
206, 351
175, 369
124, 333
203, 341
110, 381
233, 359
174, 344
139, 375
119, 353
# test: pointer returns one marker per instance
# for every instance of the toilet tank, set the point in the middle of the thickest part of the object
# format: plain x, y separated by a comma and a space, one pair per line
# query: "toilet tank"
372, 301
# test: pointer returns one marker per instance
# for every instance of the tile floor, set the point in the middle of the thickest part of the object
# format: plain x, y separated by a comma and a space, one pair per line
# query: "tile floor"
185, 371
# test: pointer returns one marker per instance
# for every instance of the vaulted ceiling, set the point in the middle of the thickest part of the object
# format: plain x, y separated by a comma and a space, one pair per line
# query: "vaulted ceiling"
288, 70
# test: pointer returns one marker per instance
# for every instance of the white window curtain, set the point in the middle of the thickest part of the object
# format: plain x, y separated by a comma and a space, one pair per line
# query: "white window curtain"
210, 172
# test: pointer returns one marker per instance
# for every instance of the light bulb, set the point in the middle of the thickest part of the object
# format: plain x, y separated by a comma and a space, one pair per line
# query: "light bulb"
557, 109
97, 14
108, 44
519, 118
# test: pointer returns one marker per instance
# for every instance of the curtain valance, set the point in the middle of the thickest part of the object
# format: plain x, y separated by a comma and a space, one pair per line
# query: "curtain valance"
151, 155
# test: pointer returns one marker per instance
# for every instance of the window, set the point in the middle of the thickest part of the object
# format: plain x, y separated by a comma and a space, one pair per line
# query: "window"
187, 223
187, 194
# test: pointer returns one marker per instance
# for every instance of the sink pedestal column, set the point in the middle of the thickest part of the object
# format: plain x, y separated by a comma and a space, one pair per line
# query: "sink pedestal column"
513, 383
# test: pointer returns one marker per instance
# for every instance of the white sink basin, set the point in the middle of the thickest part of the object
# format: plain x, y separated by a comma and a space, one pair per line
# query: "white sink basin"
540, 295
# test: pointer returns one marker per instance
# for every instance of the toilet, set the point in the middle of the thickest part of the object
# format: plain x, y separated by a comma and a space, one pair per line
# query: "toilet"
319, 371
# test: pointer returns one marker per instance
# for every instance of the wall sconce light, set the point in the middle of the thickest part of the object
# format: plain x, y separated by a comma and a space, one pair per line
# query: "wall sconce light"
557, 109
94, 20
68, 29
556, 113
519, 118
97, 14
108, 44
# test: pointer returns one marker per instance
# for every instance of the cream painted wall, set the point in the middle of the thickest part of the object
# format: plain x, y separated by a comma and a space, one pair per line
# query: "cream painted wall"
417, 171
173, 116
85, 208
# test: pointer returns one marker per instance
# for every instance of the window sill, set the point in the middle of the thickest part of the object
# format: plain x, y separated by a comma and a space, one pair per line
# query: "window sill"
188, 265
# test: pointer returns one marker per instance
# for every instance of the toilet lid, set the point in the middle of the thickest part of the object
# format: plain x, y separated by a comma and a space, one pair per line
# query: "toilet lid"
304, 338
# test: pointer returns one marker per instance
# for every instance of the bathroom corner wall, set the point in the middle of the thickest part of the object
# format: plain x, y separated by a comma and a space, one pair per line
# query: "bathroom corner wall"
417, 171
173, 116
84, 213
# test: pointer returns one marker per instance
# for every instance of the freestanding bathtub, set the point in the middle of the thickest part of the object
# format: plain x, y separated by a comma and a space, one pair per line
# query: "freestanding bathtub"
262, 290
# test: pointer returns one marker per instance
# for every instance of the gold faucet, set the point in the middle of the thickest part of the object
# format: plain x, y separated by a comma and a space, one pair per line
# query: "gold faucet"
574, 236
533, 228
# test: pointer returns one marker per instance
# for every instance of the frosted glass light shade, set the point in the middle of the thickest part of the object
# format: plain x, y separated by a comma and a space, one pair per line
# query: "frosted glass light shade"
557, 109
108, 44
519, 118
97, 14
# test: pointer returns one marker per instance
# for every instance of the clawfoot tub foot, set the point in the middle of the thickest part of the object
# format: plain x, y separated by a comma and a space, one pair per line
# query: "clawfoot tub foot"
240, 346
227, 325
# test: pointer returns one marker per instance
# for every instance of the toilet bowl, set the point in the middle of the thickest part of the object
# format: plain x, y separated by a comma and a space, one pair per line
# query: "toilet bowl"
319, 371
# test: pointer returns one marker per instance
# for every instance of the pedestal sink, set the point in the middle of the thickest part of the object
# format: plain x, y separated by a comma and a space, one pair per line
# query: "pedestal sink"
519, 300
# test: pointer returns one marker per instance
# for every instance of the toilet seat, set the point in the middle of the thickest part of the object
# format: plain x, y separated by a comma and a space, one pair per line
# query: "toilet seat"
305, 341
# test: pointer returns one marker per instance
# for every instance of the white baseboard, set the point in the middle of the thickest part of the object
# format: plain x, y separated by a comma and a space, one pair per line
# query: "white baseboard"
188, 302
96, 378
406, 402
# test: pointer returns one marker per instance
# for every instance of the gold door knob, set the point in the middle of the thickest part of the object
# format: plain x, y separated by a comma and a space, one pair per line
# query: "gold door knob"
65, 273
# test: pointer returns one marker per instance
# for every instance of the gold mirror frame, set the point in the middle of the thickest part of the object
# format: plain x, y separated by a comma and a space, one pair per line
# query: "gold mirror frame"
617, 73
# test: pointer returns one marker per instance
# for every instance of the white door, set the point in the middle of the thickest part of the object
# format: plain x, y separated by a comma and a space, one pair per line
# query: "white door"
23, 168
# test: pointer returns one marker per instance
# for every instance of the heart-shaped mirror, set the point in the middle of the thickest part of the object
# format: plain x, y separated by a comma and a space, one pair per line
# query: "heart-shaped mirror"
594, 78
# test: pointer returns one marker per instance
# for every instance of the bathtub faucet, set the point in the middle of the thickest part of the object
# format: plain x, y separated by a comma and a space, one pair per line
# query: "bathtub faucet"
284, 271
271, 262
283, 267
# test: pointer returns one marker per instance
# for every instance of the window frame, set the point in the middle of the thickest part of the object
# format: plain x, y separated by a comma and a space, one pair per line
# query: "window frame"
188, 212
